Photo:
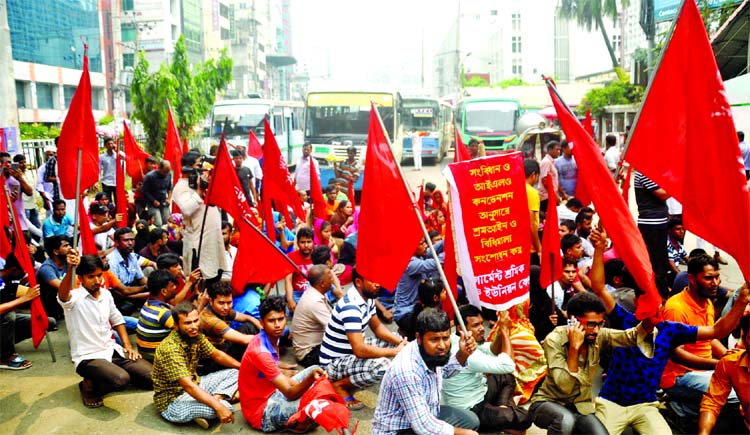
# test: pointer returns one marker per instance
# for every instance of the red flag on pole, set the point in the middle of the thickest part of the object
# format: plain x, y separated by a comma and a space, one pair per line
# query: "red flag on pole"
351, 195
461, 153
258, 260
316, 194
39, 321
587, 124
88, 245
172, 148
451, 265
614, 214
686, 142
78, 133
626, 186
420, 199
121, 198
550, 255
253, 146
135, 157
385, 201
277, 183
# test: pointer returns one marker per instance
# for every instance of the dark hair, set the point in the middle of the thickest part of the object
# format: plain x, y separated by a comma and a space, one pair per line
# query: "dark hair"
530, 167
274, 303
472, 141
227, 225
574, 203
740, 136
428, 290
568, 241
466, 311
432, 321
551, 145
101, 195
122, 231
583, 216
151, 159
18, 158
585, 302
612, 269
213, 149
331, 188
343, 203
219, 288
321, 254
699, 262
433, 234
4, 154
356, 275
745, 324
564, 144
11, 262
98, 209
316, 274
58, 202
611, 140
183, 308
235, 153
430, 186
156, 234
53, 243
89, 264
673, 222
567, 261
158, 280
697, 251
190, 158
165, 261
305, 233
569, 224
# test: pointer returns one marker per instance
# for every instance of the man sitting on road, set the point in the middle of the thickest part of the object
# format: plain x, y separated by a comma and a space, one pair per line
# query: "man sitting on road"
180, 395
155, 321
268, 396
350, 359
311, 316
124, 264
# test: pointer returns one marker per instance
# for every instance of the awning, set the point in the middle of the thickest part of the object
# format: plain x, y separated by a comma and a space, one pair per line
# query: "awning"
730, 43
280, 60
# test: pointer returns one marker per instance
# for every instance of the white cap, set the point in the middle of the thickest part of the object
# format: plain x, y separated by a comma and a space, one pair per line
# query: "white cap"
51, 148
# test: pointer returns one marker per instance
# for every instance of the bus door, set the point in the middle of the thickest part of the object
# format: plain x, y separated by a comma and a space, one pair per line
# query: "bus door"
279, 131
295, 133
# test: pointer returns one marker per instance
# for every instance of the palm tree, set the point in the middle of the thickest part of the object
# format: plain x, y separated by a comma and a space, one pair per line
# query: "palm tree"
590, 14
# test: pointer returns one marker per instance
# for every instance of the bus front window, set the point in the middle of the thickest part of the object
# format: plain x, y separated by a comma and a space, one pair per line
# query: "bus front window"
337, 121
238, 120
491, 117
423, 118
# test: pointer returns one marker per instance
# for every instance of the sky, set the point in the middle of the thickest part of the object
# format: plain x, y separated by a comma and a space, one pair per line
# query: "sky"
363, 43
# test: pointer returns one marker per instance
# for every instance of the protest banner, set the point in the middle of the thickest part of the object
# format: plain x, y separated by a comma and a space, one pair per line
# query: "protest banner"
491, 219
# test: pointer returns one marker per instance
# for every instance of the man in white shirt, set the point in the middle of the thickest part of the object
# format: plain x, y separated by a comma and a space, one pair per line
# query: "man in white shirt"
91, 315
612, 154
302, 172
229, 251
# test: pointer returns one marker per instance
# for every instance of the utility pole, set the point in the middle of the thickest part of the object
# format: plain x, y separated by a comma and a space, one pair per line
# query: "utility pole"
8, 103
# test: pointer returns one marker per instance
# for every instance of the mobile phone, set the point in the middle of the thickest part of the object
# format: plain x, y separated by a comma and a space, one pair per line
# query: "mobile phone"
572, 321
14, 166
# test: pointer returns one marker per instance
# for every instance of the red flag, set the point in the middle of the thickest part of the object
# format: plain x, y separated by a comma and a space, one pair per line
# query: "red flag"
121, 198
88, 245
184, 145
351, 195
626, 186
381, 257
277, 183
173, 149
39, 321
587, 124
614, 214
316, 193
258, 260
253, 146
451, 265
550, 256
5, 244
135, 157
420, 199
461, 153
78, 133
686, 142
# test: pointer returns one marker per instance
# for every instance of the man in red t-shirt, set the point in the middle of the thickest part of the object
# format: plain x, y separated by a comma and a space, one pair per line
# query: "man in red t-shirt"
268, 397
296, 282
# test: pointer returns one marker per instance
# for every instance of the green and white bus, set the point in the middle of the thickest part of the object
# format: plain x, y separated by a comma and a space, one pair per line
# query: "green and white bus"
489, 119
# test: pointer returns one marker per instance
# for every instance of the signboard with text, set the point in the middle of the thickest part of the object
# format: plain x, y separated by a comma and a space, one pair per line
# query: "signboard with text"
665, 10
491, 222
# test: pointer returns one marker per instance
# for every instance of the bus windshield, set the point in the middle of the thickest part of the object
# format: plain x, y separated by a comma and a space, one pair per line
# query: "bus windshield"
422, 116
236, 120
335, 123
488, 117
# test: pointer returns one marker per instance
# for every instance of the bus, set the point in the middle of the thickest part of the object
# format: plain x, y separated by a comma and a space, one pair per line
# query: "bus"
489, 119
334, 121
429, 116
237, 117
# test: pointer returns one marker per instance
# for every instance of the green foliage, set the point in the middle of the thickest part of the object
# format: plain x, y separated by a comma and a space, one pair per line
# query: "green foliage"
516, 81
475, 81
620, 91
106, 119
590, 14
38, 131
190, 93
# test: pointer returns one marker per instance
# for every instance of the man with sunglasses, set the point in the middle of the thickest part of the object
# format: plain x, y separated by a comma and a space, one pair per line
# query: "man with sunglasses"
563, 404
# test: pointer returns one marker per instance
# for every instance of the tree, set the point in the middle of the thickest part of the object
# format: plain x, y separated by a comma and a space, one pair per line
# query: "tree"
620, 91
590, 14
191, 93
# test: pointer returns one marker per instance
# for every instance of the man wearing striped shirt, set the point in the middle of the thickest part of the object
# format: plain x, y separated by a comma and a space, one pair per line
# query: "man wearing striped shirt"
156, 321
350, 359
653, 215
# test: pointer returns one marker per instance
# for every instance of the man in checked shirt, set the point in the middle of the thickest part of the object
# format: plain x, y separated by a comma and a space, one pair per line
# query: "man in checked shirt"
409, 399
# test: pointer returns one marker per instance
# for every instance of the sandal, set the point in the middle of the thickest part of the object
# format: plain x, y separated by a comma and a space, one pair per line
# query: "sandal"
16, 362
353, 404
87, 396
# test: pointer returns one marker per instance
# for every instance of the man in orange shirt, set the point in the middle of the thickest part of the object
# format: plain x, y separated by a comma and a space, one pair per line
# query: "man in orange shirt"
732, 372
688, 372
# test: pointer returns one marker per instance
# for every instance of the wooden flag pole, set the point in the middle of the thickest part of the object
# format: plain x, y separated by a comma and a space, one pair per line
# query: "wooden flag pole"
77, 216
552, 275
443, 278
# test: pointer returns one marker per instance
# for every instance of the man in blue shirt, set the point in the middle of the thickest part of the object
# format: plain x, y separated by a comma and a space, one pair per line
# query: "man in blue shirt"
567, 171
124, 264
628, 396
51, 272
107, 167
421, 266
59, 223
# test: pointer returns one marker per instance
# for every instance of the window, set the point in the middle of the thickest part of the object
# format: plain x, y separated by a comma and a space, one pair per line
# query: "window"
225, 34
68, 92
516, 22
97, 95
127, 5
278, 122
128, 60
21, 94
516, 44
224, 10
45, 96
128, 32
517, 69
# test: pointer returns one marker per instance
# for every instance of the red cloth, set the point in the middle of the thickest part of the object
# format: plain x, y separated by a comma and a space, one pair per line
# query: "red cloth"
686, 142
321, 404
299, 277
39, 321
451, 266
173, 148
551, 259
351, 195
277, 183
461, 153
587, 124
381, 256
135, 157
613, 212
88, 245
316, 193
121, 198
420, 199
5, 244
626, 186
78, 133
253, 146
258, 367
258, 260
